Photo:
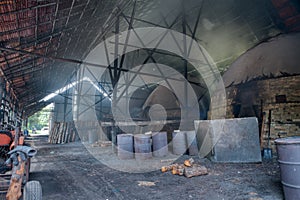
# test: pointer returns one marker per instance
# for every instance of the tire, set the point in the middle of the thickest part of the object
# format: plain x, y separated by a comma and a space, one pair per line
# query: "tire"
32, 191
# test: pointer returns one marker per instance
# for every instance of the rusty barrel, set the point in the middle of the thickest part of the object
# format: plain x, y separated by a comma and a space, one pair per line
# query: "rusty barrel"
179, 142
288, 150
160, 144
125, 146
142, 147
192, 143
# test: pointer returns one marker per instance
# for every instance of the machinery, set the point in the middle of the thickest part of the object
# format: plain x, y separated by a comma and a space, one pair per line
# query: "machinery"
15, 167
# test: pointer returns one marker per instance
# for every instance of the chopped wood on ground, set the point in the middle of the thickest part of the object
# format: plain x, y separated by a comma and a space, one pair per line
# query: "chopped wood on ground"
188, 169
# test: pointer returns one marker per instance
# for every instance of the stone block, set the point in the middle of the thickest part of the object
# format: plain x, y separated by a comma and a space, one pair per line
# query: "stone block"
229, 140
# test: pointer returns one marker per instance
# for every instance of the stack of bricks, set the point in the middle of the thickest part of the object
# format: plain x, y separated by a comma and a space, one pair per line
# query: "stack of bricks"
285, 121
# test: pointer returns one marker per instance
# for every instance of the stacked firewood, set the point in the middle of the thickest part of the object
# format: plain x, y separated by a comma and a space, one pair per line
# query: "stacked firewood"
188, 169
63, 132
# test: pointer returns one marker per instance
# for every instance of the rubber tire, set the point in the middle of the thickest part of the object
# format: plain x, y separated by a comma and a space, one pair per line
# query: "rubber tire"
32, 191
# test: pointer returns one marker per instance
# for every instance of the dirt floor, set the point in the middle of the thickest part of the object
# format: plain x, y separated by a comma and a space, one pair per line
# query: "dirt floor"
69, 171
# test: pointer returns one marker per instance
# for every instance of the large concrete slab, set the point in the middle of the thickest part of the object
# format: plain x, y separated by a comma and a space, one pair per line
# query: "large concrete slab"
229, 140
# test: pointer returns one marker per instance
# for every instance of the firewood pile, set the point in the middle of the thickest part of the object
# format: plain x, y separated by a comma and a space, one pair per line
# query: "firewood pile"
188, 169
63, 132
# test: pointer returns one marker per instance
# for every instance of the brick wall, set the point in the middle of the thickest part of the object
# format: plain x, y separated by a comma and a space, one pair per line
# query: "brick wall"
289, 13
278, 96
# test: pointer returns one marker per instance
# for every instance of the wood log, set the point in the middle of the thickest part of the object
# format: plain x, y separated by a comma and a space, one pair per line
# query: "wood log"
169, 167
69, 133
62, 133
189, 162
178, 170
195, 170
55, 136
65, 133
51, 134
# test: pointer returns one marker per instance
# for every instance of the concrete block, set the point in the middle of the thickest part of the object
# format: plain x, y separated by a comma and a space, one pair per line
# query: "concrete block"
229, 140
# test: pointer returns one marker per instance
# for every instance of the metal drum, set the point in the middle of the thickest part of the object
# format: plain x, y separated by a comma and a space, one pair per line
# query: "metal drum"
160, 144
142, 146
179, 143
125, 146
288, 150
192, 143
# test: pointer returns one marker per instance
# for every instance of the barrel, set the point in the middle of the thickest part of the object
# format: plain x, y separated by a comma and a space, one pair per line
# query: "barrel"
179, 142
125, 146
160, 144
192, 143
288, 150
142, 147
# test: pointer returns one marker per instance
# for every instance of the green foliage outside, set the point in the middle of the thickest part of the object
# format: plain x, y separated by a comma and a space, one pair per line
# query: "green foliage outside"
39, 119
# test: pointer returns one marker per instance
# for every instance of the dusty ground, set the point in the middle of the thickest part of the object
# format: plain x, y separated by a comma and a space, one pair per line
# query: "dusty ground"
69, 172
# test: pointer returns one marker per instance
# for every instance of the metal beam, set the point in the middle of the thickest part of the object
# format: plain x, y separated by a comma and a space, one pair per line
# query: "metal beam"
144, 21
114, 79
53, 25
51, 57
196, 26
130, 26
150, 54
186, 109
109, 23
108, 61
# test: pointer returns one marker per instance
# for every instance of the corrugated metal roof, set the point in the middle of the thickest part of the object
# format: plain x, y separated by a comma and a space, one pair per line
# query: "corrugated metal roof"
43, 41
34, 32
